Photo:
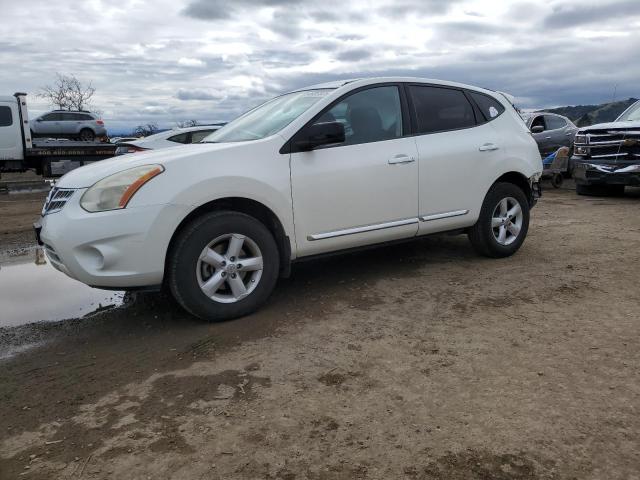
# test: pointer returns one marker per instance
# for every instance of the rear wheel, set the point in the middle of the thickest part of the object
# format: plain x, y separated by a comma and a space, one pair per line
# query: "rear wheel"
600, 190
223, 265
87, 135
503, 222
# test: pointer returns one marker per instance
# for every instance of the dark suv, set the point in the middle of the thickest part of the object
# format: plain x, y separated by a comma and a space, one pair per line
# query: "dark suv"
82, 125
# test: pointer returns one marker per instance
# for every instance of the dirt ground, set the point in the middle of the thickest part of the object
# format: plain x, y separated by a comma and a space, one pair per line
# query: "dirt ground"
416, 361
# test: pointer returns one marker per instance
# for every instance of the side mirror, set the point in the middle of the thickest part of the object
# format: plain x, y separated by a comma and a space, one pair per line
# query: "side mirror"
318, 134
537, 129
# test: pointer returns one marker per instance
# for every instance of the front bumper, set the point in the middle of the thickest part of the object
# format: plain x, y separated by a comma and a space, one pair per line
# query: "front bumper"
114, 249
588, 172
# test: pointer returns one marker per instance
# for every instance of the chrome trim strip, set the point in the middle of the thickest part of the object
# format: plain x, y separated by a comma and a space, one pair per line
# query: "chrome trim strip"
438, 216
366, 228
623, 154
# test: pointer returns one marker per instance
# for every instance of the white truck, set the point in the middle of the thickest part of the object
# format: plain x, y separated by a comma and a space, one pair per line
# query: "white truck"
49, 157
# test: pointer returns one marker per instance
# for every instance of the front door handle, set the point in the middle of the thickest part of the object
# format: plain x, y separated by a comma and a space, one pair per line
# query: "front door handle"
401, 159
488, 147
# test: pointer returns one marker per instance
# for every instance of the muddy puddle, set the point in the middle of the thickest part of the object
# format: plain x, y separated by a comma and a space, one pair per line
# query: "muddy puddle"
31, 290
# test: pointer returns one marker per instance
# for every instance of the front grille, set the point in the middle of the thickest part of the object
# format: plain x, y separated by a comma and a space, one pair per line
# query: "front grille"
611, 144
57, 199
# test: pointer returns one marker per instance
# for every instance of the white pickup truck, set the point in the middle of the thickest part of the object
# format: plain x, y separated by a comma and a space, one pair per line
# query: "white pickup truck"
19, 152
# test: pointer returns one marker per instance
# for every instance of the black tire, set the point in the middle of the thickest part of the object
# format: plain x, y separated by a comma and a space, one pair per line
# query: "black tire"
556, 180
600, 190
482, 235
183, 261
87, 135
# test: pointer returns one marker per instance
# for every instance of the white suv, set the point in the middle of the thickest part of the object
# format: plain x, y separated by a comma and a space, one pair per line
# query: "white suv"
321, 169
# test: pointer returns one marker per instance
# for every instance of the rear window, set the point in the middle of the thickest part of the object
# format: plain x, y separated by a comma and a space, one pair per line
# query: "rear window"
489, 106
440, 109
6, 117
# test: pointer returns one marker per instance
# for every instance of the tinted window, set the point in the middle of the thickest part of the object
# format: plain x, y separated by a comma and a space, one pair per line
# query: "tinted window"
489, 107
199, 135
440, 109
554, 123
51, 117
6, 118
369, 115
180, 138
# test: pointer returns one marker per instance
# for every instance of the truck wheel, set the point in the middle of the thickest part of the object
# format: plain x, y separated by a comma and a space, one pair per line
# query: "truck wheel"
600, 190
223, 265
503, 222
87, 135
556, 180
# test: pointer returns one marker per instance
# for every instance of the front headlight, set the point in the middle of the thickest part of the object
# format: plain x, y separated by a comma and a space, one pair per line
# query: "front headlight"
580, 139
115, 191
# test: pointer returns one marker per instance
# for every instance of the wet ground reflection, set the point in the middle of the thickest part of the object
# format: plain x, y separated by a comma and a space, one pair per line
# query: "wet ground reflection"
31, 291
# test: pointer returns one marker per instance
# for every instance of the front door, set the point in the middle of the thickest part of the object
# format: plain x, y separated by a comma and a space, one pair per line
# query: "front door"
364, 190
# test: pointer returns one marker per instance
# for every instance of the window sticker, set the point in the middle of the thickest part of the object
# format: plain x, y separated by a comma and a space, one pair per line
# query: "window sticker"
493, 111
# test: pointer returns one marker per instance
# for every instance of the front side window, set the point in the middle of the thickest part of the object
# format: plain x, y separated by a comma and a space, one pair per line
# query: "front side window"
51, 117
6, 117
268, 118
440, 109
489, 107
554, 123
631, 115
538, 122
370, 115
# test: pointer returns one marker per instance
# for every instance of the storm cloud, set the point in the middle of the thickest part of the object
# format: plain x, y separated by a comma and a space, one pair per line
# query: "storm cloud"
172, 60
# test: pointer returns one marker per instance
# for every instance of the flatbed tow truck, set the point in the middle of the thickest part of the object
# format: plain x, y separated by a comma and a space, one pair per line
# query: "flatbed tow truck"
48, 157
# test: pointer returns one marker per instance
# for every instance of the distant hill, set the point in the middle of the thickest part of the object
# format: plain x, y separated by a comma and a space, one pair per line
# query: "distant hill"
585, 115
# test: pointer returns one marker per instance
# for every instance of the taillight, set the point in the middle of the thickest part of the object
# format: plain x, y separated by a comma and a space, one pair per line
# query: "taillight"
124, 149
99, 122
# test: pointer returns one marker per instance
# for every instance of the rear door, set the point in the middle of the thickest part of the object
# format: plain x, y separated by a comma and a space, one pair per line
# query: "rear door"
559, 131
10, 133
457, 155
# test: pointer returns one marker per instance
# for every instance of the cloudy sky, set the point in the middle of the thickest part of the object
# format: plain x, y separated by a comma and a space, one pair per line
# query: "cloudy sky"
166, 61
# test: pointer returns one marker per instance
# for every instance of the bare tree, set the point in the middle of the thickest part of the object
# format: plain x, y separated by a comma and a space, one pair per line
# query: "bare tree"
145, 130
187, 123
68, 93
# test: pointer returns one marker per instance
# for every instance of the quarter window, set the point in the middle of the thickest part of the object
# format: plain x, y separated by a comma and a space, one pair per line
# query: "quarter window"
440, 109
371, 115
489, 107
6, 117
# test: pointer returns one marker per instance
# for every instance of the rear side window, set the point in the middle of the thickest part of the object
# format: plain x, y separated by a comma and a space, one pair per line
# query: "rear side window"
554, 123
489, 106
180, 138
440, 109
199, 135
6, 118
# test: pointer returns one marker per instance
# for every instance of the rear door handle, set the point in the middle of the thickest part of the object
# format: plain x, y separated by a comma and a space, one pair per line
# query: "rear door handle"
401, 159
548, 138
488, 147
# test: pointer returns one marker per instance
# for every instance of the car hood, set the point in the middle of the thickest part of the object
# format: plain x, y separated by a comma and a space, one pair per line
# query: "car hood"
89, 174
612, 126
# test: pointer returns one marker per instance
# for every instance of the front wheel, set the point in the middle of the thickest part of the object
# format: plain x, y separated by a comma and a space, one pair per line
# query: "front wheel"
223, 265
503, 222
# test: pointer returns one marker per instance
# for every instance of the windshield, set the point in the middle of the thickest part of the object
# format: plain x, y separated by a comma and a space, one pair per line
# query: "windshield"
268, 118
632, 114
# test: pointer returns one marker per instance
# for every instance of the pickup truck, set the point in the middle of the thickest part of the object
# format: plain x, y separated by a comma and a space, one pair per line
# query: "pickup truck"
606, 156
49, 157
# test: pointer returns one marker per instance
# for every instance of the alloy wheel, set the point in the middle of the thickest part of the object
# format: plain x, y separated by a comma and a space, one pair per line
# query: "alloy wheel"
229, 268
506, 221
